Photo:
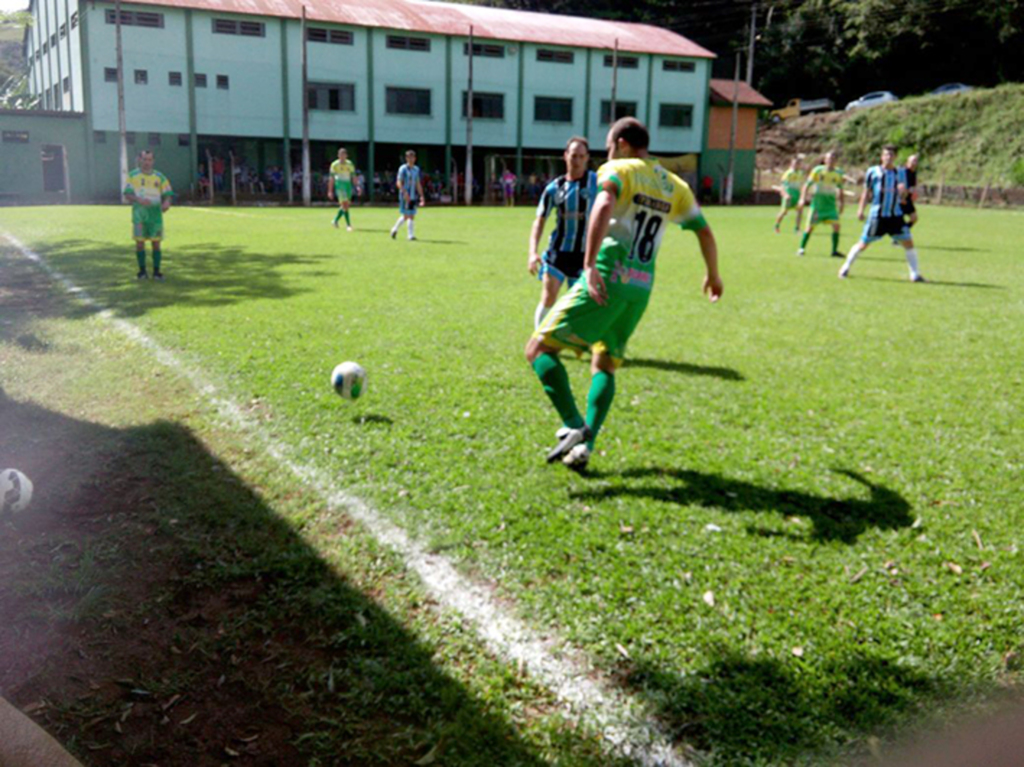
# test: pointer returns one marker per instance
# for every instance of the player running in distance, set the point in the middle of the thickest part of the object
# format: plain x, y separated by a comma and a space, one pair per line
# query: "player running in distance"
410, 191
886, 184
826, 200
150, 194
792, 184
343, 172
636, 201
571, 196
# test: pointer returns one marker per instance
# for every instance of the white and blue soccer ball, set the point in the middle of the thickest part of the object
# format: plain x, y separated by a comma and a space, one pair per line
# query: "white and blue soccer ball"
15, 492
349, 380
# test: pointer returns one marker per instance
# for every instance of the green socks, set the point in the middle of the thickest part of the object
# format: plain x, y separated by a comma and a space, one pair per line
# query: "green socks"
348, 221
804, 239
337, 216
835, 242
140, 256
599, 402
555, 380
157, 255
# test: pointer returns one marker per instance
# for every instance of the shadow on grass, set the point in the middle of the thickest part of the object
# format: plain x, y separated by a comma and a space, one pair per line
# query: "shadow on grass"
939, 283
742, 709
833, 519
204, 274
686, 368
167, 614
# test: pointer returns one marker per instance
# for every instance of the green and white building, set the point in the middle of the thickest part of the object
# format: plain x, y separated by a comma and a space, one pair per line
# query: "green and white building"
383, 76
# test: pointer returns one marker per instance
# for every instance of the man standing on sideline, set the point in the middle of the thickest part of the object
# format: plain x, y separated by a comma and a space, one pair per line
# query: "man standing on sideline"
150, 194
571, 195
886, 184
635, 201
792, 184
410, 190
340, 186
826, 201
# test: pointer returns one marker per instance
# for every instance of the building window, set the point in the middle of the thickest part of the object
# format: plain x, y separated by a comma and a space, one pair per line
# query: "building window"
486, 50
336, 36
625, 62
74, 19
129, 138
15, 137
46, 48
53, 40
552, 110
405, 43
488, 106
135, 18
676, 116
154, 139
37, 55
56, 97
622, 109
244, 28
407, 101
222, 82
200, 80
141, 77
332, 97
63, 30
556, 57
67, 84
184, 139
678, 66
99, 137
110, 74
174, 78
47, 103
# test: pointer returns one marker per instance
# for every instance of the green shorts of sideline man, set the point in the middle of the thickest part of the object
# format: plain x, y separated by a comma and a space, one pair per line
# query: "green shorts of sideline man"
343, 191
147, 223
824, 213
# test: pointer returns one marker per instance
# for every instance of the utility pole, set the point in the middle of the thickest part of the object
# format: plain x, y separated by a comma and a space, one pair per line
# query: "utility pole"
307, 195
122, 125
750, 48
732, 130
615, 81
469, 124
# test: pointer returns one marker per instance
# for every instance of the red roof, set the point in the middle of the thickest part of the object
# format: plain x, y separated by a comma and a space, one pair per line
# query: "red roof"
722, 91
455, 19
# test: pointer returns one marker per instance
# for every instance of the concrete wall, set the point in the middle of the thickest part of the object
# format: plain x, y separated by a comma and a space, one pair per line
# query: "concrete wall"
21, 166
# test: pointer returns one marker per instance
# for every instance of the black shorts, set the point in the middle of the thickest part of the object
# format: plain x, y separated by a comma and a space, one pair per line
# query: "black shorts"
563, 265
908, 207
877, 227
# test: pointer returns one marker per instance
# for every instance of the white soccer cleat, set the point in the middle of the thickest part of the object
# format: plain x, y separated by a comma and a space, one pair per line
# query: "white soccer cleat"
844, 273
577, 458
561, 433
799, 251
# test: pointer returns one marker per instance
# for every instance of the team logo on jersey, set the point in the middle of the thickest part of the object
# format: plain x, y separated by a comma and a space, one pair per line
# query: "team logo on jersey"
652, 202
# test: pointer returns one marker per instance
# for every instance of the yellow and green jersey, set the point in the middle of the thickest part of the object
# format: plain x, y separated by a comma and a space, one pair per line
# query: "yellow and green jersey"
153, 187
343, 171
793, 180
826, 186
648, 197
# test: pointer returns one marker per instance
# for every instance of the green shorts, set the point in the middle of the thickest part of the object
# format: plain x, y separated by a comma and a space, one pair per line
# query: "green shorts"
578, 322
823, 213
148, 223
790, 199
343, 191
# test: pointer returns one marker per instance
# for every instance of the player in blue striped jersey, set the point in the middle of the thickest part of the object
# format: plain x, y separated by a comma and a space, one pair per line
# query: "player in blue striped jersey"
571, 196
410, 192
887, 186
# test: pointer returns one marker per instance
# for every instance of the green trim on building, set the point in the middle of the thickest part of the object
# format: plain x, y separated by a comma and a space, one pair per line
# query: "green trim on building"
286, 119
90, 157
702, 161
650, 83
586, 97
193, 140
519, 116
371, 148
448, 106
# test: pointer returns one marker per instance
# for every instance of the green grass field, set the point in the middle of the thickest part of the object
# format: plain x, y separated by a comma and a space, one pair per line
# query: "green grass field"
801, 528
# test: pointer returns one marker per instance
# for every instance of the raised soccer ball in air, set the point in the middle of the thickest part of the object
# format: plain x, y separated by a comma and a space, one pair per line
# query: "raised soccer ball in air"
349, 380
15, 492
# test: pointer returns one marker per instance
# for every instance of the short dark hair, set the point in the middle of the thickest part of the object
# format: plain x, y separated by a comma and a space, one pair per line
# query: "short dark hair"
577, 140
889, 148
630, 130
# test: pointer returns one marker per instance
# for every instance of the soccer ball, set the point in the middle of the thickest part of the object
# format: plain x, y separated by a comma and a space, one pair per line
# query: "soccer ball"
349, 380
15, 492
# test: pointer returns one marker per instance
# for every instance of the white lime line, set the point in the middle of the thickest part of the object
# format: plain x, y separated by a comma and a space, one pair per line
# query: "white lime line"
626, 724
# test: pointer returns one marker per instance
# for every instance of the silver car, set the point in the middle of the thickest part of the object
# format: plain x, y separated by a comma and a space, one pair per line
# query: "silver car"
943, 90
873, 99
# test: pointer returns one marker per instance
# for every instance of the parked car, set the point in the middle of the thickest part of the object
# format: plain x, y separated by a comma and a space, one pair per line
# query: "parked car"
873, 99
948, 88
797, 107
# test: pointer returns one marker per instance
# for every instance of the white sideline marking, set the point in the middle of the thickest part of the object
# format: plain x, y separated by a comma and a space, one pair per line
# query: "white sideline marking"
625, 724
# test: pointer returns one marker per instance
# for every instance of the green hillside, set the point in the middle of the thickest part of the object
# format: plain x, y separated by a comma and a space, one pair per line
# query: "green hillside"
970, 138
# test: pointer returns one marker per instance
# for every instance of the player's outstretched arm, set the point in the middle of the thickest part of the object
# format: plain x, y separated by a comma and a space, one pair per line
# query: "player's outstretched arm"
533, 262
712, 286
597, 228
863, 202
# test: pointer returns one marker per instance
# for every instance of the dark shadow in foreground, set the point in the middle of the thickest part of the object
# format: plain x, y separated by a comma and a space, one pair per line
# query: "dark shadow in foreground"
686, 368
833, 518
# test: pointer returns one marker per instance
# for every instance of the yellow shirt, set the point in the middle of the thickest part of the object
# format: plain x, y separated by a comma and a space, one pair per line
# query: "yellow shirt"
343, 171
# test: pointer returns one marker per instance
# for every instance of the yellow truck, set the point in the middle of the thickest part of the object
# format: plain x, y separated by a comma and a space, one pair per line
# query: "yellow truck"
797, 107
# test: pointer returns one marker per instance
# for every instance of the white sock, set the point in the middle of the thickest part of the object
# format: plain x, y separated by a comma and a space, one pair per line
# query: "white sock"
412, 228
398, 223
851, 257
540, 314
912, 262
